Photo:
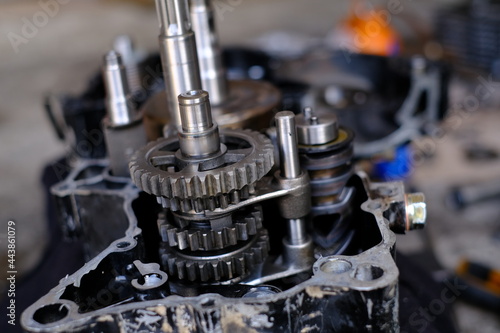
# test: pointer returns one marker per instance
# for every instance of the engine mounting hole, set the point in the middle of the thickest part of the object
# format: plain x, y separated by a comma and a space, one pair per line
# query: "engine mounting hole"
374, 205
368, 272
207, 302
386, 191
51, 313
261, 291
122, 245
336, 266
152, 280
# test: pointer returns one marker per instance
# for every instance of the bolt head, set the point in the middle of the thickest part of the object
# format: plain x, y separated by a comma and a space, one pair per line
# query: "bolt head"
416, 211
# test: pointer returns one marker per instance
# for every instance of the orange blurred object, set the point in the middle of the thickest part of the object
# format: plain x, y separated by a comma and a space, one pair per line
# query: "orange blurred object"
369, 32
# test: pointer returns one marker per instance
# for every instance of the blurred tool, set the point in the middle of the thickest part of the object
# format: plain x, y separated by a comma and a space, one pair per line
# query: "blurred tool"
480, 153
466, 195
483, 284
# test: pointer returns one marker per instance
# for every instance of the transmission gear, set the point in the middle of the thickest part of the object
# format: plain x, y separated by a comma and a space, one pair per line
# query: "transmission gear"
208, 239
218, 265
160, 169
210, 203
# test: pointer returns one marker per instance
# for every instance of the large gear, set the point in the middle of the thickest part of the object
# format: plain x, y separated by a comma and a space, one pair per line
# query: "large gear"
207, 239
225, 265
160, 170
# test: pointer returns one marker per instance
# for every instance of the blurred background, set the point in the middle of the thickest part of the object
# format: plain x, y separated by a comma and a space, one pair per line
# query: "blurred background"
458, 170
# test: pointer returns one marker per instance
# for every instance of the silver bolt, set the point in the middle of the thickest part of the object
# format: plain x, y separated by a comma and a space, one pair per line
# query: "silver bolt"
416, 211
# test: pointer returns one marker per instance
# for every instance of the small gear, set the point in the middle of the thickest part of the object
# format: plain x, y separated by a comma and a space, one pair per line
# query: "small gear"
196, 239
218, 266
211, 203
158, 169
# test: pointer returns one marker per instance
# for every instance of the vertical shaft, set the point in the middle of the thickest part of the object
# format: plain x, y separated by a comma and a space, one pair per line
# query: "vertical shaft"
198, 134
124, 46
298, 241
297, 233
123, 131
195, 111
173, 17
117, 90
212, 71
178, 53
287, 144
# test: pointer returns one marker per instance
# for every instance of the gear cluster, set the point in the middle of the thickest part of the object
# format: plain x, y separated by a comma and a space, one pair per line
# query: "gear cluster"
208, 239
218, 265
202, 170
203, 184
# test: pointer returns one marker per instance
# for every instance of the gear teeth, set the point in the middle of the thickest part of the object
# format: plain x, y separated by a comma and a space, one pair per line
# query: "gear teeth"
166, 187
144, 181
242, 231
207, 240
155, 185
235, 197
194, 242
195, 187
218, 269
211, 204
192, 271
231, 236
217, 183
199, 206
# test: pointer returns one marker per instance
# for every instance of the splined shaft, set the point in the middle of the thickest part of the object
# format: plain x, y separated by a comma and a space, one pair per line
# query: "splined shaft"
178, 53
209, 54
117, 90
124, 46
123, 128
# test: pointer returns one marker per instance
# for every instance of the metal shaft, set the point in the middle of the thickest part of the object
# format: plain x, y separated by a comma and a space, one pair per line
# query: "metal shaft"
178, 53
298, 245
212, 72
196, 115
117, 90
124, 46
297, 233
287, 145
198, 135
173, 17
